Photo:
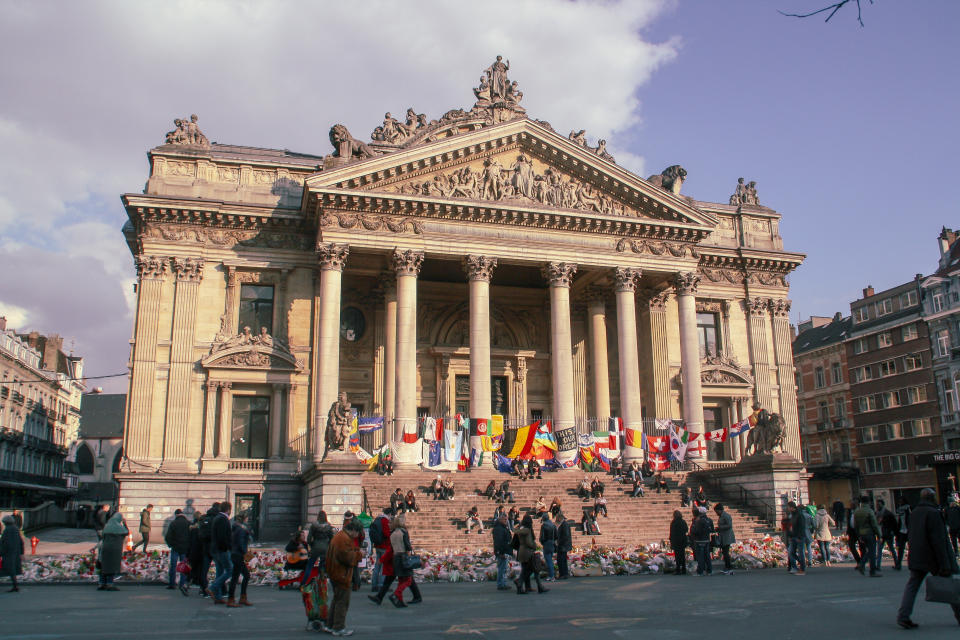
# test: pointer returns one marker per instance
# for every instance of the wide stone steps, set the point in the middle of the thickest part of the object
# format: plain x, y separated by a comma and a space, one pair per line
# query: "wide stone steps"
440, 524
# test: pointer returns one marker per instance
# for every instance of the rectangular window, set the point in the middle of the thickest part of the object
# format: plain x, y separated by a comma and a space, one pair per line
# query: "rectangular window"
708, 330
908, 299
898, 463
943, 342
819, 380
844, 450
251, 427
921, 427
888, 368
836, 373
860, 346
861, 404
838, 407
909, 332
824, 412
884, 307
937, 302
873, 465
949, 398
256, 308
860, 315
884, 339
912, 363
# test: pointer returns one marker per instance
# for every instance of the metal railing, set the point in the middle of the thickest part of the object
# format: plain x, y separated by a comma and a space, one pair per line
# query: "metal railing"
743, 496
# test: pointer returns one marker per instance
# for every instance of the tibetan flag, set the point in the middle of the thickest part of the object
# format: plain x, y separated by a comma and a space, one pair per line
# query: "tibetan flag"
544, 438
664, 423
605, 439
658, 444
695, 444
496, 426
502, 463
659, 461
434, 458
635, 438
524, 441
678, 443
452, 445
717, 435
740, 428
370, 424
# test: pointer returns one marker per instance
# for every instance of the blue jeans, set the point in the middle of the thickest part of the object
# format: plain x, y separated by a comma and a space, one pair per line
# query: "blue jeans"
172, 573
321, 564
824, 549
221, 559
869, 559
701, 551
376, 578
548, 560
795, 555
807, 551
562, 564
503, 565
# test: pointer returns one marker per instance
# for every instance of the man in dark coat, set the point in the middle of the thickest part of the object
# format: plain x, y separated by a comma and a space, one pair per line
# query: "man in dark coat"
929, 553
178, 539
725, 535
11, 551
548, 540
221, 541
564, 545
678, 542
502, 550
888, 528
866, 525
100, 519
700, 532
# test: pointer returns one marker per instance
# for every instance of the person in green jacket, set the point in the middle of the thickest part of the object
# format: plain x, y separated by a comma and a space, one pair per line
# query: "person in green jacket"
868, 530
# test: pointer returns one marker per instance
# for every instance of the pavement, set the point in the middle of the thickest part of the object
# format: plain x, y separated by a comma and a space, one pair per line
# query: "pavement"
827, 602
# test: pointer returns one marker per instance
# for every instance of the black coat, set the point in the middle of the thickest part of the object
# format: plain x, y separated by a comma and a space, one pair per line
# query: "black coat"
564, 536
927, 538
178, 535
953, 518
501, 539
221, 535
11, 548
678, 533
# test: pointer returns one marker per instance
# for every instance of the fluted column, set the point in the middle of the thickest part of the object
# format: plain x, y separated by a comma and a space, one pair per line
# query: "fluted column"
655, 308
757, 309
289, 427
479, 271
331, 259
600, 368
276, 421
230, 303
685, 285
628, 356
182, 439
783, 350
210, 421
560, 275
226, 419
139, 442
390, 356
407, 265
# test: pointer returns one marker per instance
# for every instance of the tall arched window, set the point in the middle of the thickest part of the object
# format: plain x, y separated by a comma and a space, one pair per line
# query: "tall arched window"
85, 461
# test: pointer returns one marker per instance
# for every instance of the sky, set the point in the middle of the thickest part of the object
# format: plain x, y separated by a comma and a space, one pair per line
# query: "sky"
848, 131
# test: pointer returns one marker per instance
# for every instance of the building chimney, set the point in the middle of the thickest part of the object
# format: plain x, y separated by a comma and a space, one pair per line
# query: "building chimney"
3, 323
868, 291
946, 238
837, 317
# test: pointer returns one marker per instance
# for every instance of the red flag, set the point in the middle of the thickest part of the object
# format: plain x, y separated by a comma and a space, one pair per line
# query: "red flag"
695, 444
717, 435
481, 424
659, 461
410, 437
439, 437
658, 444
634, 438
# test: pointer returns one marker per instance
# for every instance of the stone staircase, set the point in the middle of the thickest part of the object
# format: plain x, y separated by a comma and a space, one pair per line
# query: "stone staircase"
440, 524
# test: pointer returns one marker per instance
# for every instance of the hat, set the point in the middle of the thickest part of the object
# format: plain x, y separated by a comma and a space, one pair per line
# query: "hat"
702, 509
347, 514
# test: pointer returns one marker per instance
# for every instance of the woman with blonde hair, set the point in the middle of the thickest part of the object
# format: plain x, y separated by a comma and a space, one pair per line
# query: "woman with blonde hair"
400, 543
821, 532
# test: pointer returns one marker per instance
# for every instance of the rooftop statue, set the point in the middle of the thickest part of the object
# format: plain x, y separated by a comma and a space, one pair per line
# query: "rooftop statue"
670, 179
745, 194
187, 133
346, 146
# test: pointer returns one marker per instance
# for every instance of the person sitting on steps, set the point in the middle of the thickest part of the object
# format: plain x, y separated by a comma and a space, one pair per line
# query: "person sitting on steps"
555, 507
637, 487
660, 482
491, 490
410, 502
583, 491
589, 523
435, 487
600, 504
504, 493
533, 469
685, 497
596, 488
539, 507
473, 520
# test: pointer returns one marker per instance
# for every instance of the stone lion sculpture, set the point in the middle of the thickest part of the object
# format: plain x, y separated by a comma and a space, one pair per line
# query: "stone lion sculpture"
670, 179
346, 146
766, 436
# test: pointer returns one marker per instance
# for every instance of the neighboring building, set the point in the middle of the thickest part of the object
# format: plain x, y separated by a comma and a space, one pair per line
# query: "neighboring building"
40, 395
827, 430
941, 309
480, 263
100, 448
895, 404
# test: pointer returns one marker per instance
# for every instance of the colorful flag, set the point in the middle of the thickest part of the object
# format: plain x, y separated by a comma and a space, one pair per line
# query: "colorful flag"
524, 441
545, 439
434, 458
603, 460
658, 444
664, 423
480, 426
605, 439
586, 440
369, 424
695, 445
635, 438
430, 429
496, 426
717, 435
659, 461
452, 445
410, 437
740, 428
502, 463
678, 443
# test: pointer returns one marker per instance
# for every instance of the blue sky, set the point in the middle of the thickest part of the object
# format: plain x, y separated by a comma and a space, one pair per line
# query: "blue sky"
848, 131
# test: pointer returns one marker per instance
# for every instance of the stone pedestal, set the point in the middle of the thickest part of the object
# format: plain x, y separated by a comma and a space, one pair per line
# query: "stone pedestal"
335, 485
771, 480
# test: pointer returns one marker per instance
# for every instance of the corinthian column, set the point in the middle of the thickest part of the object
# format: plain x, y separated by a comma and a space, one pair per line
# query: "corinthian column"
560, 275
407, 265
326, 371
628, 357
600, 369
756, 309
479, 271
685, 285
182, 438
139, 442
389, 285
226, 419
783, 350
655, 308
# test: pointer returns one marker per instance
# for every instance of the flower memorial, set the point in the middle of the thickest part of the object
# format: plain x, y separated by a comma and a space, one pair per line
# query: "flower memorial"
266, 567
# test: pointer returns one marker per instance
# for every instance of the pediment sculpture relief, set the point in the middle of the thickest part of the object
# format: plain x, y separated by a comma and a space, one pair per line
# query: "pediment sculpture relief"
249, 350
579, 138
722, 369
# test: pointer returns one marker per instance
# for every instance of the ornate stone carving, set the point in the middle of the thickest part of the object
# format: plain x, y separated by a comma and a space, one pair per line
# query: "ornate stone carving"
187, 133
670, 179
732, 276
780, 307
518, 183
407, 262
246, 359
346, 146
626, 279
395, 132
579, 138
710, 306
655, 300
338, 424
658, 248
559, 274
686, 283
718, 368
479, 267
745, 194
332, 257
188, 269
767, 278
497, 97
370, 222
151, 267
756, 305
521, 369
226, 237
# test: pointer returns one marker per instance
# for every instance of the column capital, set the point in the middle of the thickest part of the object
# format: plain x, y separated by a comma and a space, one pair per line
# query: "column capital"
479, 267
686, 283
406, 263
188, 269
332, 257
387, 283
151, 267
559, 274
654, 299
212, 385
756, 306
780, 307
226, 386
626, 279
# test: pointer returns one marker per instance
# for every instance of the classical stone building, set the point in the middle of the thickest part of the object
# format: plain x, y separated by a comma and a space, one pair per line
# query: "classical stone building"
99, 450
479, 263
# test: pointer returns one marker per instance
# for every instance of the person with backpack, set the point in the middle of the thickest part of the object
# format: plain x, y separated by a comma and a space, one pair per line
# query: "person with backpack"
221, 541
822, 533
700, 533
318, 541
200, 562
796, 532
888, 528
548, 540
868, 529
178, 539
380, 539
564, 545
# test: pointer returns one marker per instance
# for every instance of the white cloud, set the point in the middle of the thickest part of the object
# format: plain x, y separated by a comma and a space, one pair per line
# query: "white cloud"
17, 317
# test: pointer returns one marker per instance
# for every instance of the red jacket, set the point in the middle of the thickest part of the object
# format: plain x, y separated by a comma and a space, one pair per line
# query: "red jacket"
385, 529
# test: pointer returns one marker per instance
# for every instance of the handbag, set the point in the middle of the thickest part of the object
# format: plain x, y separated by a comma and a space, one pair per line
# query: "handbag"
183, 567
411, 561
539, 565
943, 589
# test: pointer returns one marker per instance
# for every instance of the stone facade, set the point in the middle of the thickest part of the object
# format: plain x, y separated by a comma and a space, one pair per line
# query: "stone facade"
473, 262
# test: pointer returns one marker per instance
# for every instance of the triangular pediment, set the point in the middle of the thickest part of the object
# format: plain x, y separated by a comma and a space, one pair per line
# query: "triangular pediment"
519, 165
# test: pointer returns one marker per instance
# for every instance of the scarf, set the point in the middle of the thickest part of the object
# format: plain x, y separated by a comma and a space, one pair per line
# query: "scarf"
115, 525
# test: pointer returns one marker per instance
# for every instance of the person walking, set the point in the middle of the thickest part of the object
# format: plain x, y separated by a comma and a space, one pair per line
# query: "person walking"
700, 532
341, 558
953, 524
239, 546
903, 524
11, 551
318, 541
822, 533
115, 533
796, 532
725, 536
400, 541
144, 528
838, 512
853, 538
100, 520
195, 555
678, 542
868, 529
564, 545
502, 550
929, 553
526, 546
178, 539
221, 541
548, 540
380, 540
387, 569
888, 529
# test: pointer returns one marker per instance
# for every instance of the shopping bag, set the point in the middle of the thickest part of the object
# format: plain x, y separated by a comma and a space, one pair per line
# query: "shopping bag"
183, 567
941, 589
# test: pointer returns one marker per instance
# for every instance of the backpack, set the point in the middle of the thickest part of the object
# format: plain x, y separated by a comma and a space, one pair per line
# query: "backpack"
205, 529
376, 532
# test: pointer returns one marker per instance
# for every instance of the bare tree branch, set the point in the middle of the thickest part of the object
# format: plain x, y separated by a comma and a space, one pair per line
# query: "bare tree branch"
833, 8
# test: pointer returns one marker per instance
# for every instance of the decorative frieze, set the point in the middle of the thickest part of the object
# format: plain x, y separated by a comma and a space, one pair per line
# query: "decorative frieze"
226, 238
188, 269
406, 263
686, 283
370, 222
626, 279
657, 248
479, 267
559, 274
733, 276
332, 257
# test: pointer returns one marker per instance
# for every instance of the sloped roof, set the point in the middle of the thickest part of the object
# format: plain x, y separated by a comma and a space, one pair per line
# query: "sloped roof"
823, 336
101, 415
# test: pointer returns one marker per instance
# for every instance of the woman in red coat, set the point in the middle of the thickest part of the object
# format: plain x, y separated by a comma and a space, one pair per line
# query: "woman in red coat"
386, 560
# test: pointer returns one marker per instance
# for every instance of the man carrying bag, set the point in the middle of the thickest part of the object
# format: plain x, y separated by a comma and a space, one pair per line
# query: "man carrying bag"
929, 553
